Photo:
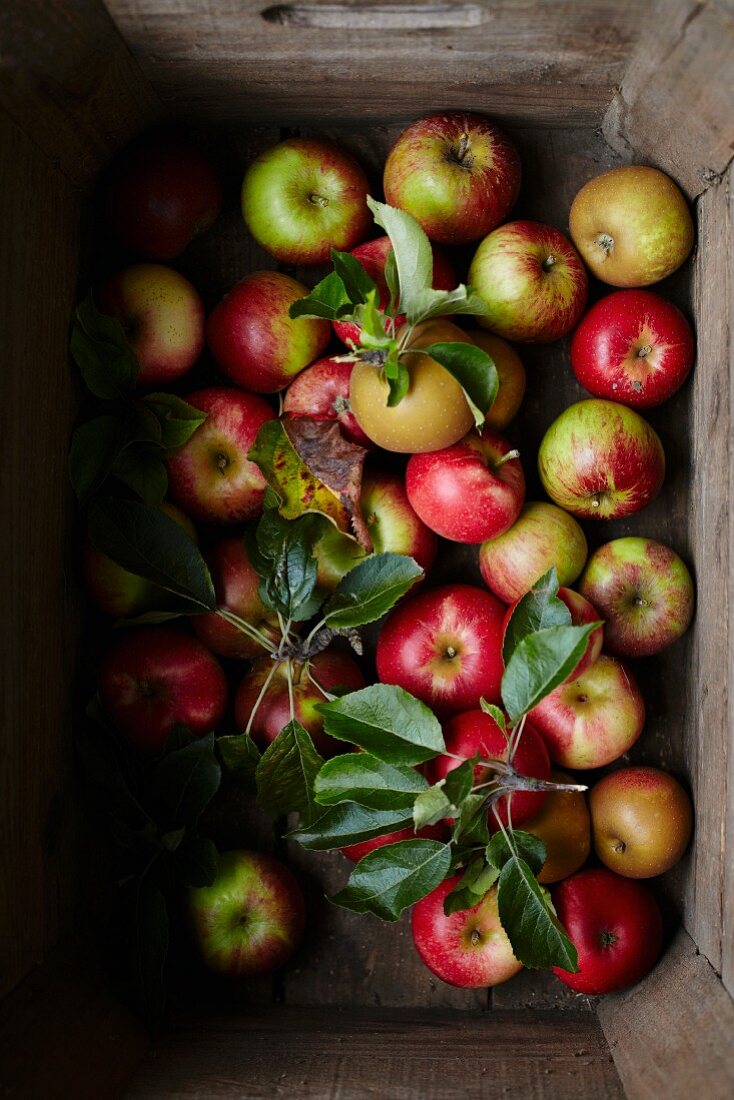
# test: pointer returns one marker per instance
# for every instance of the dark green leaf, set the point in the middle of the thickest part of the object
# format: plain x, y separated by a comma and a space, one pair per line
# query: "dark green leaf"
281, 551
526, 846
101, 350
178, 420
328, 299
370, 589
152, 545
538, 609
357, 283
478, 878
539, 663
431, 807
362, 778
458, 783
142, 470
386, 721
391, 278
196, 861
388, 880
185, 781
149, 947
286, 772
412, 251
104, 765
471, 823
340, 826
95, 446
475, 372
240, 756
537, 937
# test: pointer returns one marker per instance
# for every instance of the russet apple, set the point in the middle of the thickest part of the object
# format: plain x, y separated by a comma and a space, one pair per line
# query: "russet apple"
564, 826
542, 536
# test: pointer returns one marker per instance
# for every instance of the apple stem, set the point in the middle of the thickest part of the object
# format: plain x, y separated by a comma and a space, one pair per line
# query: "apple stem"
644, 352
505, 458
318, 200
261, 696
548, 262
245, 628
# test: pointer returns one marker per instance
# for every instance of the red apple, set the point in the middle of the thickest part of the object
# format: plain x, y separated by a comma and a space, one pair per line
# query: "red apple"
163, 318
634, 347
254, 340
153, 678
236, 587
302, 198
355, 852
475, 732
601, 460
373, 256
532, 281
211, 475
643, 591
582, 612
470, 948
543, 536
595, 718
330, 669
469, 492
160, 193
250, 920
445, 647
615, 925
457, 174
321, 392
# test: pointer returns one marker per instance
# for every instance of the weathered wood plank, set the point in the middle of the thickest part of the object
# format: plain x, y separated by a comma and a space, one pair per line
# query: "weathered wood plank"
674, 105
358, 1054
671, 1035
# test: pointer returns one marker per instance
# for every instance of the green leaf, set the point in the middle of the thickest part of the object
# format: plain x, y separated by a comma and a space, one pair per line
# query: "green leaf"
142, 470
387, 722
101, 350
150, 544
388, 880
471, 822
393, 285
286, 772
458, 783
528, 847
373, 334
362, 778
95, 447
431, 806
538, 939
478, 878
328, 299
495, 713
185, 781
348, 823
178, 420
196, 861
540, 663
539, 609
370, 589
282, 552
412, 251
240, 756
473, 369
357, 283
398, 384
448, 303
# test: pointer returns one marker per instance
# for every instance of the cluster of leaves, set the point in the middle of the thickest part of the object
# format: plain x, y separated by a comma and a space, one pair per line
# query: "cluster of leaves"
348, 293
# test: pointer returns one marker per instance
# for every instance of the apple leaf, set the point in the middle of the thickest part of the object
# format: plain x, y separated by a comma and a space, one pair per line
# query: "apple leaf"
362, 778
473, 369
412, 252
348, 823
539, 663
471, 826
458, 784
196, 861
142, 469
370, 589
538, 939
281, 552
478, 877
446, 303
185, 781
312, 468
386, 721
178, 420
150, 544
525, 845
389, 879
240, 756
286, 772
95, 447
357, 283
372, 334
495, 713
101, 350
431, 806
329, 300
538, 609
393, 285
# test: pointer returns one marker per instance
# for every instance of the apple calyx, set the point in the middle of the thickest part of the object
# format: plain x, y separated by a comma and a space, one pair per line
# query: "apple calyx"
318, 200
605, 243
548, 263
461, 154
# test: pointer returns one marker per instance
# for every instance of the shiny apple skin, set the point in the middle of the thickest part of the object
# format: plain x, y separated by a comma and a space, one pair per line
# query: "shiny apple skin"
511, 375
475, 732
373, 256
153, 678
434, 412
159, 194
564, 826
457, 174
601, 460
331, 668
542, 536
643, 591
416, 643
251, 919
468, 949
532, 281
615, 925
321, 392
303, 197
645, 216
236, 589
211, 476
254, 340
582, 612
163, 317
355, 852
461, 494
592, 720
633, 346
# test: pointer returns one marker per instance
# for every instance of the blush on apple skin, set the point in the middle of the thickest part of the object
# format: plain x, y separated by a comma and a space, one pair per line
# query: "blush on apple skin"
582, 612
643, 591
468, 949
633, 346
615, 925
355, 852
321, 392
236, 586
601, 460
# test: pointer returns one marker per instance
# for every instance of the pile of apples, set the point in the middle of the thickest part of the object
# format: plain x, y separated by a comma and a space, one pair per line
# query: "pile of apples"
458, 175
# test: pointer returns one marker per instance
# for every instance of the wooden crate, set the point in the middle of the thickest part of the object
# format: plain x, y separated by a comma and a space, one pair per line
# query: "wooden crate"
582, 86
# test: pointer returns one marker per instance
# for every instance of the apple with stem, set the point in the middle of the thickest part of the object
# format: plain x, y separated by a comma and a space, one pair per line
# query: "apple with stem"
321, 392
543, 536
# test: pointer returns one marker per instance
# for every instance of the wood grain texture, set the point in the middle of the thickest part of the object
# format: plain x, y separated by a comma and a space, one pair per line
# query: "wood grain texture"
317, 1053
70, 82
550, 61
671, 1035
674, 105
